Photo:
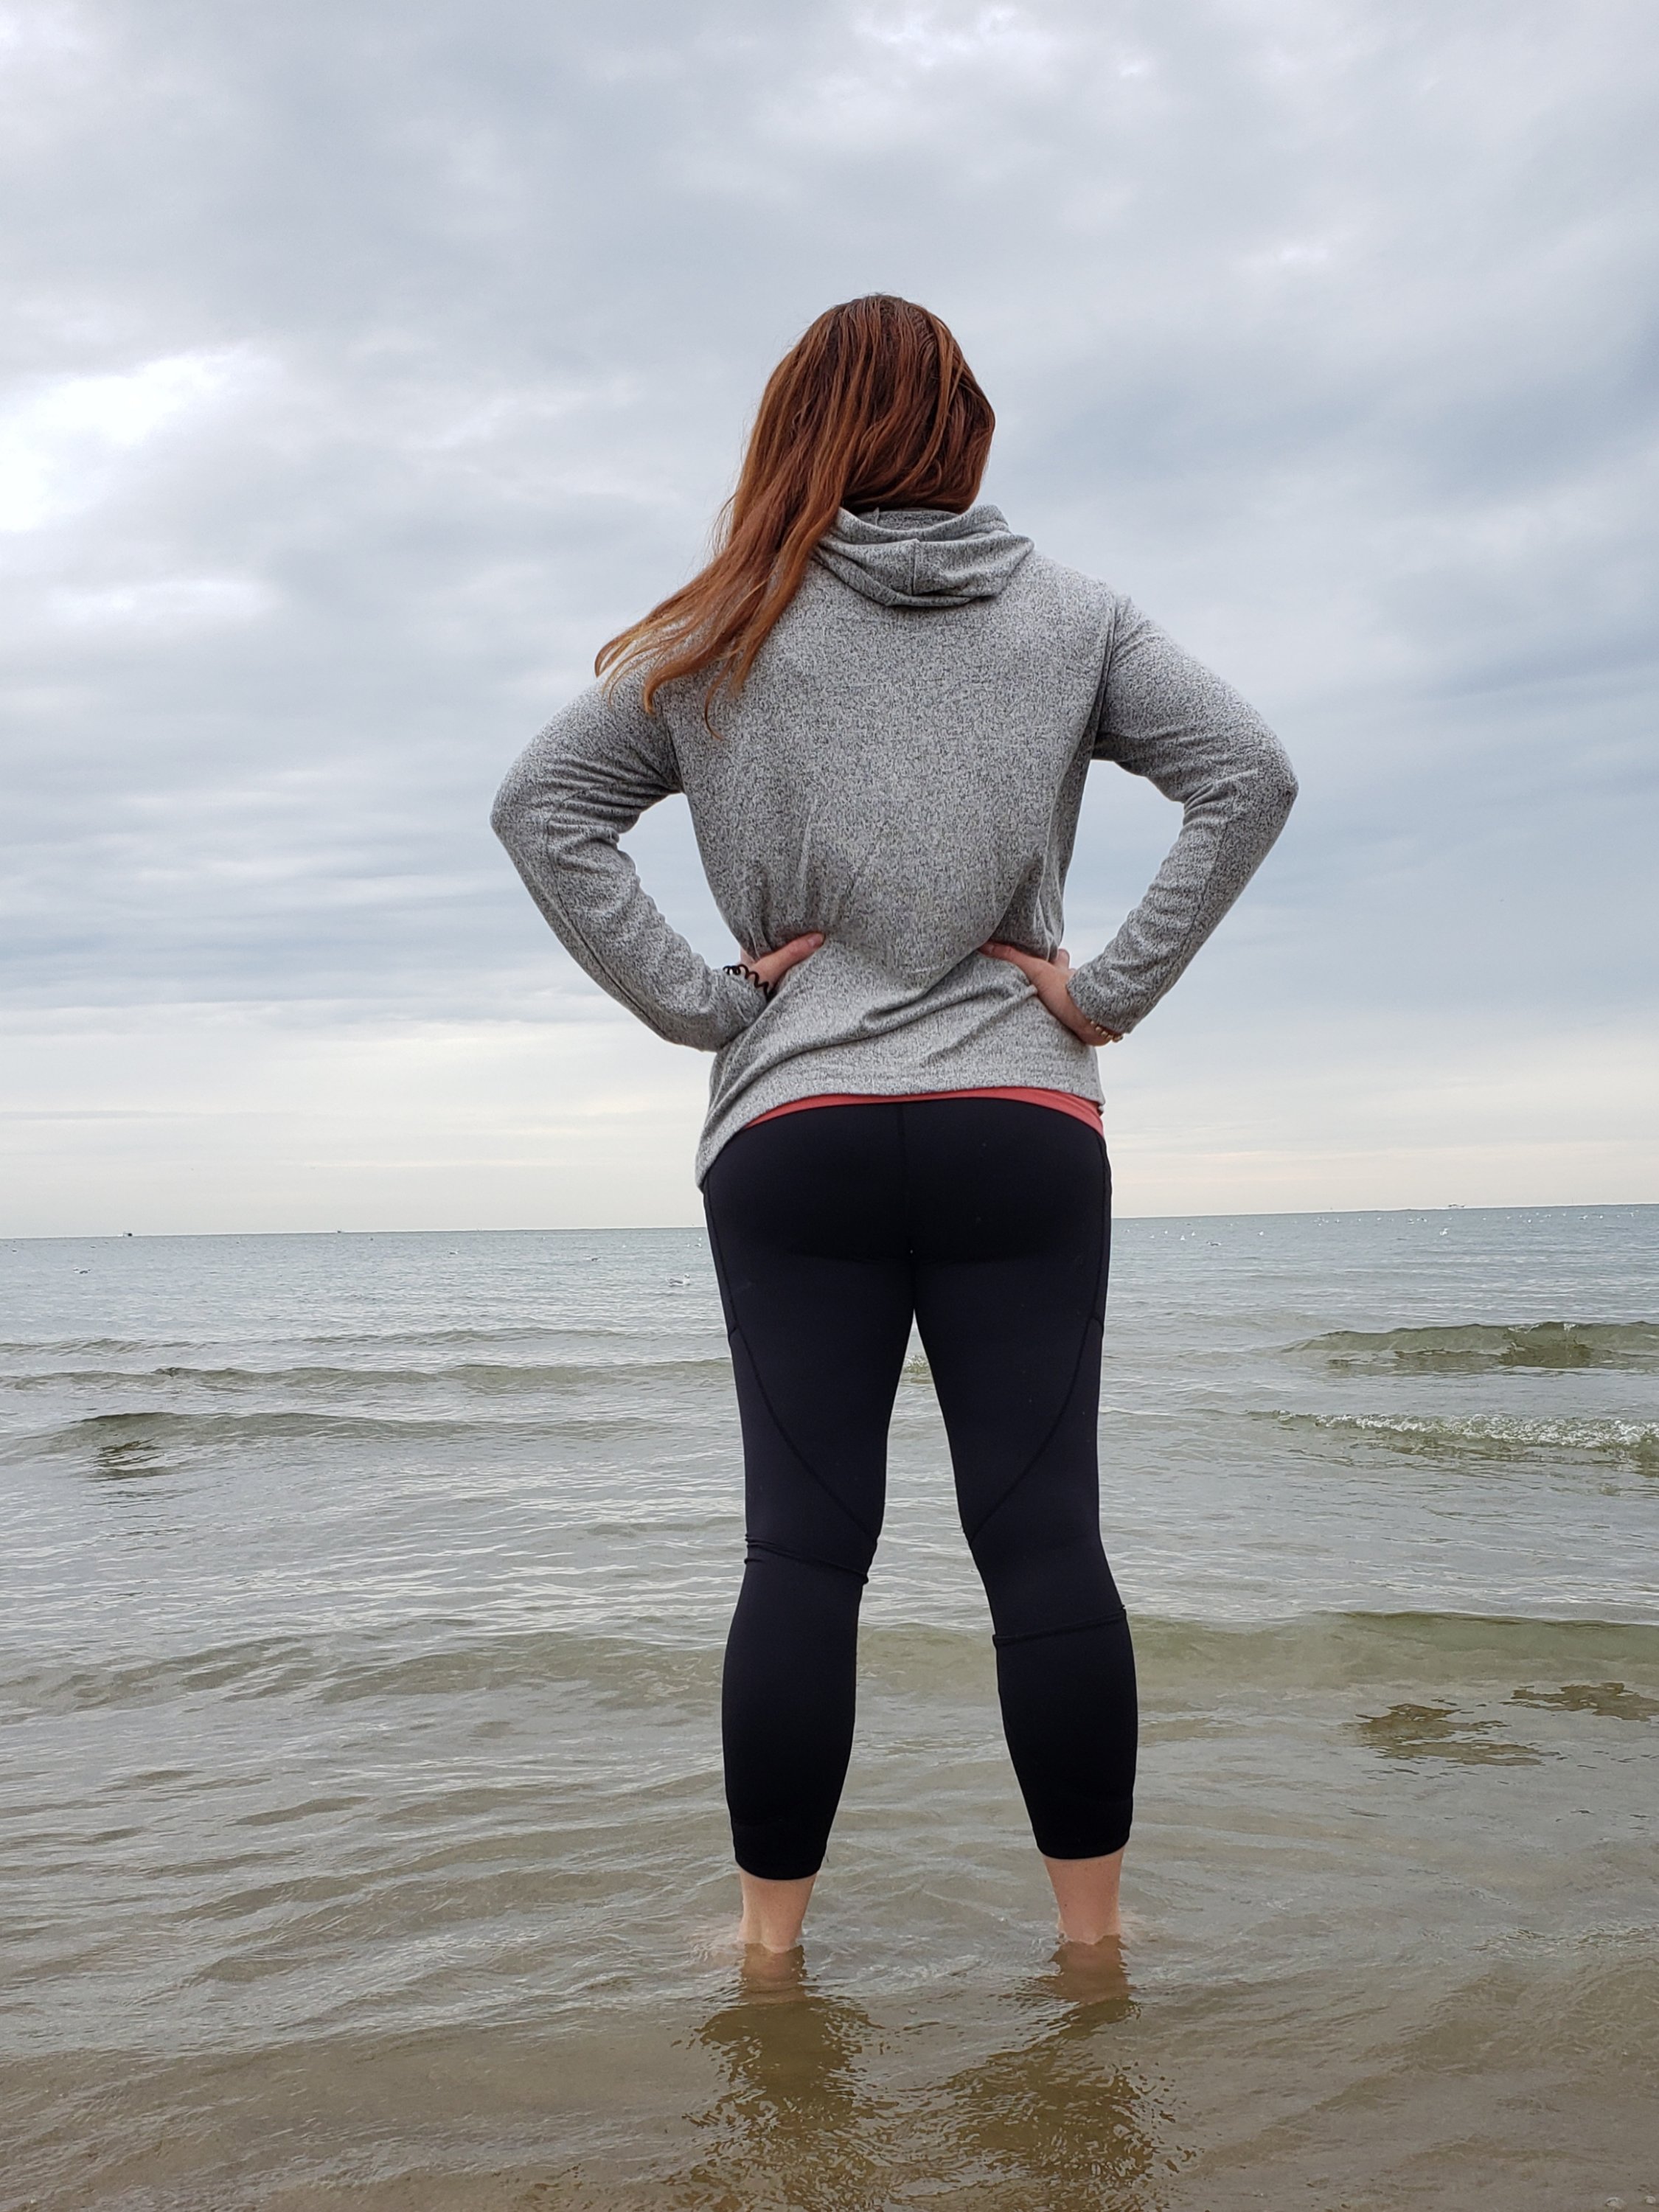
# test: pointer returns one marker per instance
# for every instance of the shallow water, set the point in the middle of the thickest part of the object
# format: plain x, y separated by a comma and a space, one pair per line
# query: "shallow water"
358, 1663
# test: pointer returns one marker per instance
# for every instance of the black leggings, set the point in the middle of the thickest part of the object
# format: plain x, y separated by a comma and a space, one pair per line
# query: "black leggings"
988, 1221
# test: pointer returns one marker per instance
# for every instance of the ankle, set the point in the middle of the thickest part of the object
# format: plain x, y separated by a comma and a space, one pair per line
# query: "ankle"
773, 1911
1089, 1931
1085, 1897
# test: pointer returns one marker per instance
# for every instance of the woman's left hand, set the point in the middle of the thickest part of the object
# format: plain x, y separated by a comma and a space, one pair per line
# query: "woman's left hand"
1049, 979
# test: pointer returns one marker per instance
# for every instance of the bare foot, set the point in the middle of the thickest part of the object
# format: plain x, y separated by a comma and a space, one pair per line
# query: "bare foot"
1093, 1974
773, 1976
1085, 1892
773, 1911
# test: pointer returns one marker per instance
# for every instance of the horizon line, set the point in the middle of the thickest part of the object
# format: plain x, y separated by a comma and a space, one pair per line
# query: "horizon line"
667, 1228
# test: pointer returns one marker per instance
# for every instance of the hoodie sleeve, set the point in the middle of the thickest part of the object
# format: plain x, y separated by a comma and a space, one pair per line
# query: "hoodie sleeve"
1165, 716
567, 799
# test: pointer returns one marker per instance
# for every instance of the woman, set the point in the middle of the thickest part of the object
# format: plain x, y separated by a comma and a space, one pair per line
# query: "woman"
881, 705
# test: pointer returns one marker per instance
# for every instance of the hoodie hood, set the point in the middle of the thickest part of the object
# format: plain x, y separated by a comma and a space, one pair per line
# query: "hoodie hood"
922, 556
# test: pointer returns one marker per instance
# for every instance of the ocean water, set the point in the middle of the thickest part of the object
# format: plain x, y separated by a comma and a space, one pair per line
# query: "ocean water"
359, 1628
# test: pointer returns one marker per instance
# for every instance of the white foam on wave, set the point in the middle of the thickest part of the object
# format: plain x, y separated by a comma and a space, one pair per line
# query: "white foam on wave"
1516, 1431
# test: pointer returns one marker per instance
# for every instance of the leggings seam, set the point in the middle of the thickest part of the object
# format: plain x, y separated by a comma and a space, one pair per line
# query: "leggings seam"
805, 1558
1096, 1320
1069, 1393
735, 1334
904, 1186
801, 1459
1073, 1628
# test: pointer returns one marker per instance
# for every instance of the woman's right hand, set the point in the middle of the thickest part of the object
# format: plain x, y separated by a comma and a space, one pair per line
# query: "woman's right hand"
1050, 980
772, 965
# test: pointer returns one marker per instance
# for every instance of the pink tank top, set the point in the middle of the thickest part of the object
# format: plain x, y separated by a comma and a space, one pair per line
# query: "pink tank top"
1062, 1102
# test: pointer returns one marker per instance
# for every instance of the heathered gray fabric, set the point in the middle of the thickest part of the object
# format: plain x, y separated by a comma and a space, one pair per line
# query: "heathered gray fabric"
903, 771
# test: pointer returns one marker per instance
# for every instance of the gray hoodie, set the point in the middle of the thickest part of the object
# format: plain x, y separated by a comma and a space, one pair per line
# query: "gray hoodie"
902, 770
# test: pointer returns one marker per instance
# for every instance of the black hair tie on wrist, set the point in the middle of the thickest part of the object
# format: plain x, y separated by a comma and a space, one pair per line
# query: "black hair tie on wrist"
742, 968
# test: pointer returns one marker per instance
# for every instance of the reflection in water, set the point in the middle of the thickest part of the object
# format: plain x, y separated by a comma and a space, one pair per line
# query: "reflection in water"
1092, 1974
796, 2125
1052, 2121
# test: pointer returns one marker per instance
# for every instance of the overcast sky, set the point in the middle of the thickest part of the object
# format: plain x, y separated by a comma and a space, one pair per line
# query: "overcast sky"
368, 365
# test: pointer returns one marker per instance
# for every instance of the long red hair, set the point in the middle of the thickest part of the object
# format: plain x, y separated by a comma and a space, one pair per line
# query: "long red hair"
874, 406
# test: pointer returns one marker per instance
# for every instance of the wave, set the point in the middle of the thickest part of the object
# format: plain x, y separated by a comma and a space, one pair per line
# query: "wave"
519, 1333
139, 1441
1491, 1436
614, 1668
482, 1377
1478, 1347
1543, 1663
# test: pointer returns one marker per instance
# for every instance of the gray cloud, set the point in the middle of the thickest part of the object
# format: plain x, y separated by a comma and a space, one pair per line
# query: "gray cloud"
371, 365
